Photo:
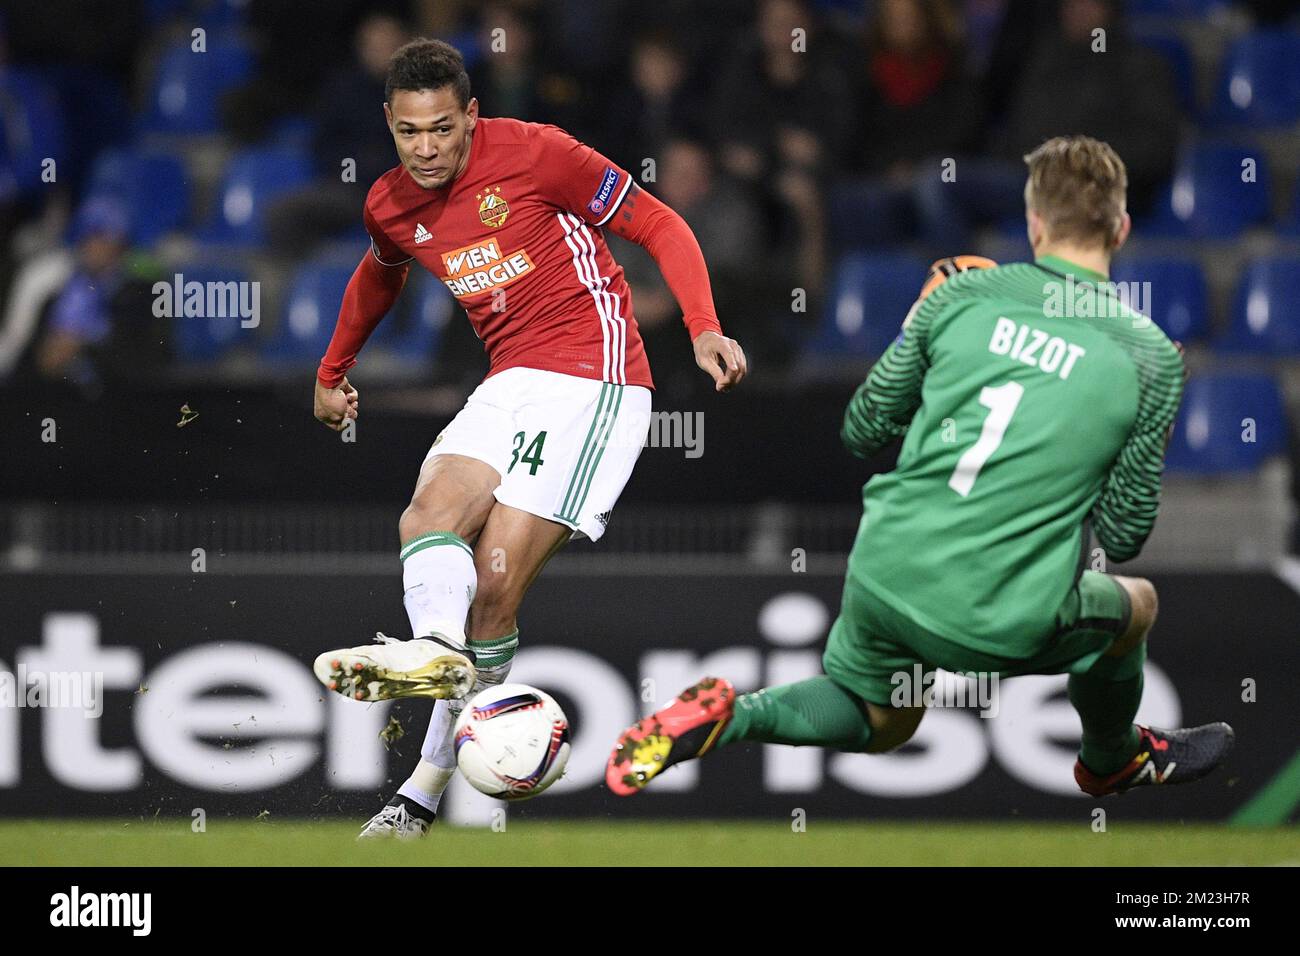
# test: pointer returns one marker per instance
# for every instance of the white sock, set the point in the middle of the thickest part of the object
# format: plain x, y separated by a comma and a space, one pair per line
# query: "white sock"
438, 749
440, 582
427, 782
438, 753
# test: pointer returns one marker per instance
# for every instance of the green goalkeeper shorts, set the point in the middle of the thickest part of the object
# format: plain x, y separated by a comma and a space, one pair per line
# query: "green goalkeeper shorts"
871, 642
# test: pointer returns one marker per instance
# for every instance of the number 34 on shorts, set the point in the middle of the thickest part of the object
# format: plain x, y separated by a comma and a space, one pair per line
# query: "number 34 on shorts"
532, 457
564, 446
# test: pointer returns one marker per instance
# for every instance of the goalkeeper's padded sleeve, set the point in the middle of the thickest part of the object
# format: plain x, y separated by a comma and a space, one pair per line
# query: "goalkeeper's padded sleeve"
883, 406
1125, 513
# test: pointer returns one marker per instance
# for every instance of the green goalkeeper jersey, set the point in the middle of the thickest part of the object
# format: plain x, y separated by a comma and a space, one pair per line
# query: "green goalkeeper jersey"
1030, 400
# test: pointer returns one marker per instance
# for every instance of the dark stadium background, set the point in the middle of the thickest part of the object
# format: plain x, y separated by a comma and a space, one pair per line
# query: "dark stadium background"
814, 179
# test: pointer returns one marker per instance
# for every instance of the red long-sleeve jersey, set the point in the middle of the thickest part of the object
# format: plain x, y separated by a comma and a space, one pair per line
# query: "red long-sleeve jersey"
517, 238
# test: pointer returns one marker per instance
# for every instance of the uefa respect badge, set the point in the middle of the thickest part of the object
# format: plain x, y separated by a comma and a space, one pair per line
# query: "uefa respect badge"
607, 184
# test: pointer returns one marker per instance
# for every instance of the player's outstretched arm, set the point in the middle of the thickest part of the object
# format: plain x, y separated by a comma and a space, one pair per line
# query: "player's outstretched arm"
1130, 499
668, 239
371, 292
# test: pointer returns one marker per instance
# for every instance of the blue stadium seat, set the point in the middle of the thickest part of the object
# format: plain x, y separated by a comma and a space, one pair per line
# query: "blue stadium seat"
210, 337
1210, 197
31, 131
870, 296
867, 214
150, 184
413, 337
295, 131
1006, 241
93, 103
1172, 8
1259, 82
160, 11
1228, 423
1175, 298
211, 14
1264, 317
187, 86
1171, 47
254, 178
310, 312
1291, 225
224, 14
469, 42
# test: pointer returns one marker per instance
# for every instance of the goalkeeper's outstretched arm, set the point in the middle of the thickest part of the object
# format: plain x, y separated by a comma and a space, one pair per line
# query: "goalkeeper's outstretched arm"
883, 406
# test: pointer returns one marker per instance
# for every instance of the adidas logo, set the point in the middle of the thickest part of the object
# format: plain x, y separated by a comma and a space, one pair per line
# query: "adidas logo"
422, 234
603, 518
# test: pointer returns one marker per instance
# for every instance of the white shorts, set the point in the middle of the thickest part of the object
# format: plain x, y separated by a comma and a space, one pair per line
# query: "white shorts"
564, 446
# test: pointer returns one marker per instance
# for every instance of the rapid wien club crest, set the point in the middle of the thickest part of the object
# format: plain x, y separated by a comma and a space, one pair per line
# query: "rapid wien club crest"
492, 207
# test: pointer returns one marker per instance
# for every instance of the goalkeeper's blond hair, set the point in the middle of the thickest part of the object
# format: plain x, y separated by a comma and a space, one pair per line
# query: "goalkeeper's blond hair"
1077, 184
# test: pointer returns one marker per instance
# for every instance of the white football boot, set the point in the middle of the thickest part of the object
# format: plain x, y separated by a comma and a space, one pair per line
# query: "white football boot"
394, 822
424, 667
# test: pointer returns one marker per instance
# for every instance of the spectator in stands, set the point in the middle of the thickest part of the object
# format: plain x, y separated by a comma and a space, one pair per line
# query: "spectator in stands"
589, 40
32, 132
731, 231
507, 81
349, 125
915, 106
915, 99
778, 112
299, 41
1086, 78
1122, 94
656, 101
81, 317
776, 104
1272, 12
1022, 26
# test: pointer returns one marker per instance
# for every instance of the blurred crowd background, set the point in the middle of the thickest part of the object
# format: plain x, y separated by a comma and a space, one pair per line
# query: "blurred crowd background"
824, 151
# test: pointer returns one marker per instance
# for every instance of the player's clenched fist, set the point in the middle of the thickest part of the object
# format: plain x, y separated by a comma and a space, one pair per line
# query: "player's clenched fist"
722, 358
334, 406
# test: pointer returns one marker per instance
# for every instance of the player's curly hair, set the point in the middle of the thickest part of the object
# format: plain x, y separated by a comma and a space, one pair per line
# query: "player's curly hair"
426, 64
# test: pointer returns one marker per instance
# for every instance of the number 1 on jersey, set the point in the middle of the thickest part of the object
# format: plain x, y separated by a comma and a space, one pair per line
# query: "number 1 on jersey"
1001, 402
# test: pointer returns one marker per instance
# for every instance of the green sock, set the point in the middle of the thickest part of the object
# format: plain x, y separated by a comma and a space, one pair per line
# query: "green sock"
496, 651
1107, 699
815, 712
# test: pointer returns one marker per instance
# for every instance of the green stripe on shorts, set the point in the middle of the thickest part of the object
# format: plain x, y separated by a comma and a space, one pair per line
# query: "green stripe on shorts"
592, 447
604, 440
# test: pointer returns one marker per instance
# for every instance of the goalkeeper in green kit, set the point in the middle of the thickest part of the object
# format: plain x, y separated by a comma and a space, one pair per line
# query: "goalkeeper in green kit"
1025, 420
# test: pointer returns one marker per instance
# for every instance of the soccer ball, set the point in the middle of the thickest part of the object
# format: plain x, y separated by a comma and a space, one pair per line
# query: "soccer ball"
943, 269
512, 741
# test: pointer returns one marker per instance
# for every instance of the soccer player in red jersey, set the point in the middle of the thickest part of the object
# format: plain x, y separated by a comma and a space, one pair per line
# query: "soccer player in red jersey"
509, 215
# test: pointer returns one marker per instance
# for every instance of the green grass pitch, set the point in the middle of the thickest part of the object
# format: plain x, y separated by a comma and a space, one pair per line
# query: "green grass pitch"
600, 843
